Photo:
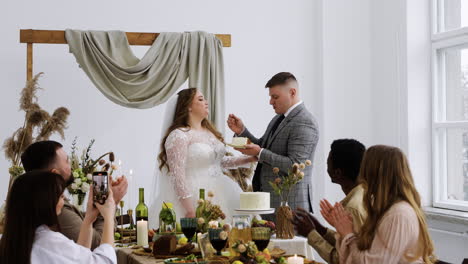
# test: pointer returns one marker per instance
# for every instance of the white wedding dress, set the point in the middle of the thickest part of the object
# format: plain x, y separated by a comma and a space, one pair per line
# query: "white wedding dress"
196, 160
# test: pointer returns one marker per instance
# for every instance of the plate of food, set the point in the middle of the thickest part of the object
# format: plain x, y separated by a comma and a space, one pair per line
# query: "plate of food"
190, 259
239, 142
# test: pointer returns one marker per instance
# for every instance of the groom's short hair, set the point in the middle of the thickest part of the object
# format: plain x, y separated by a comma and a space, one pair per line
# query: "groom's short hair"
280, 79
40, 155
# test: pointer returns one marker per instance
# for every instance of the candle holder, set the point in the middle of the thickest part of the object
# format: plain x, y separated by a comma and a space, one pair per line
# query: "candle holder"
130, 214
121, 204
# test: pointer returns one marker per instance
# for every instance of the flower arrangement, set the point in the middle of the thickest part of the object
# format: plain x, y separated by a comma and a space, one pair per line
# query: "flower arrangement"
83, 167
282, 186
246, 249
207, 212
38, 125
249, 253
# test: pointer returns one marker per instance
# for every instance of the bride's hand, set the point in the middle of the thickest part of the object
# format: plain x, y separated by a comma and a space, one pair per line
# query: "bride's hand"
190, 215
253, 159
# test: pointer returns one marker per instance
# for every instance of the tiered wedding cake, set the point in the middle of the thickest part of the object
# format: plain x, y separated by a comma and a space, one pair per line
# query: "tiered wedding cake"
255, 201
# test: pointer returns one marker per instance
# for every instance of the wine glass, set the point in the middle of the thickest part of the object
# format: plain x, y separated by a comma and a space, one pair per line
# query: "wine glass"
261, 237
216, 239
189, 227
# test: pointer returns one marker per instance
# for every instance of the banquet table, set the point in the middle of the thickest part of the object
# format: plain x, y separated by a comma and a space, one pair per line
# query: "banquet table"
125, 256
297, 245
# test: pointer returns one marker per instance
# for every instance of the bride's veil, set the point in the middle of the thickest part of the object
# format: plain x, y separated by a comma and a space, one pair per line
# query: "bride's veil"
160, 180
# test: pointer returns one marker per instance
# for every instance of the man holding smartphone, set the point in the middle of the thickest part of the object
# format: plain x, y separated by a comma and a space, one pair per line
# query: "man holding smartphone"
49, 155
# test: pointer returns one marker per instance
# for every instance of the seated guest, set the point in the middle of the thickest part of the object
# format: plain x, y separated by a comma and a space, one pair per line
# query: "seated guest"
343, 163
395, 230
31, 228
50, 156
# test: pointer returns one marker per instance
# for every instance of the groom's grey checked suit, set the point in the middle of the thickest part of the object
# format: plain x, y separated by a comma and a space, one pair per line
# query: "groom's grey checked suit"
293, 141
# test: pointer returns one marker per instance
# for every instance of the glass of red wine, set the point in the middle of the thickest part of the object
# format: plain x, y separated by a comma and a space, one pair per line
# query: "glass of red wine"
217, 240
261, 237
189, 227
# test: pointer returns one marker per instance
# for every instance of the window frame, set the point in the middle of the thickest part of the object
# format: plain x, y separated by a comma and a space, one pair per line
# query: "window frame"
441, 41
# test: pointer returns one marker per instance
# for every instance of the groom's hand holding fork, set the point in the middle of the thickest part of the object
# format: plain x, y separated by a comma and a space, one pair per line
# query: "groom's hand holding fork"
237, 126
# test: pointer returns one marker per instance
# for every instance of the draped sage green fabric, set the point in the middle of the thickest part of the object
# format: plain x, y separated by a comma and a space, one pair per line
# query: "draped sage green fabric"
107, 59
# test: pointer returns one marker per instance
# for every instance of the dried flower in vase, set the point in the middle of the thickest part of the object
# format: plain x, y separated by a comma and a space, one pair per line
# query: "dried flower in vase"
282, 186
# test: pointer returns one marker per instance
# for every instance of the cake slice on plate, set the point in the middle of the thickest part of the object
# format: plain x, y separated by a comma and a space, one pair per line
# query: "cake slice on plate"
239, 142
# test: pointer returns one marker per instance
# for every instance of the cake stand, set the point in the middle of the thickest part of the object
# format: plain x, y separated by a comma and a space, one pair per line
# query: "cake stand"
255, 212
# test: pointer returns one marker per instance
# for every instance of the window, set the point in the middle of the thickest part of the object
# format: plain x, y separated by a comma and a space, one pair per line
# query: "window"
450, 103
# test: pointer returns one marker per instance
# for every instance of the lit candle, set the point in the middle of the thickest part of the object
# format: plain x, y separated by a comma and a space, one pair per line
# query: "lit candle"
142, 233
295, 260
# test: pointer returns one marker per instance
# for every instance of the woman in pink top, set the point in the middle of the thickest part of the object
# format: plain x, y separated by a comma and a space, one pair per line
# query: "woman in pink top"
395, 230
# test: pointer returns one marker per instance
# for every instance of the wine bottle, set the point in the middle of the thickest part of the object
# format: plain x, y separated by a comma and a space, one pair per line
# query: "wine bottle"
141, 210
201, 206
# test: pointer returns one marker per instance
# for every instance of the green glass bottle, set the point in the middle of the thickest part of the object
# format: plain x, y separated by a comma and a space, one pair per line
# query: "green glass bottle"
201, 206
141, 210
200, 210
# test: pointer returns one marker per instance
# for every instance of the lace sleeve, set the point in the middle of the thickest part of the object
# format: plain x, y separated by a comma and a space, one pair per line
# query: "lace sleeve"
229, 162
176, 148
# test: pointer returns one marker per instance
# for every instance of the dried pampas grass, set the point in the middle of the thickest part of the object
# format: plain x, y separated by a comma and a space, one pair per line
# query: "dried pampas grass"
57, 123
10, 148
28, 94
36, 119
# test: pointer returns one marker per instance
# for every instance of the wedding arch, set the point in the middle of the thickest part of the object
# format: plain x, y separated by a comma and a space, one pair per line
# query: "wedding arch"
134, 83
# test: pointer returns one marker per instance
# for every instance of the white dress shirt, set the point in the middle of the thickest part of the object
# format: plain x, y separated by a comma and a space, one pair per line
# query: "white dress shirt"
292, 108
52, 247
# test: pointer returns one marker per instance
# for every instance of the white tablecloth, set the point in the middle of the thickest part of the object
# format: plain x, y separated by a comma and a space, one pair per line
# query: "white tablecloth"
297, 245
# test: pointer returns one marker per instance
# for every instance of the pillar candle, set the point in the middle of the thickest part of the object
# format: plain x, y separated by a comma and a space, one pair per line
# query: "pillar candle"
142, 233
295, 260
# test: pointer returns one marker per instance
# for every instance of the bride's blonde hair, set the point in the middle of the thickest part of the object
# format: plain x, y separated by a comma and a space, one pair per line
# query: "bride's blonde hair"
181, 118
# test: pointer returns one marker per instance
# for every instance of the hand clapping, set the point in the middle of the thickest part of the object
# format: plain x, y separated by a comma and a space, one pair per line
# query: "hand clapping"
303, 222
337, 217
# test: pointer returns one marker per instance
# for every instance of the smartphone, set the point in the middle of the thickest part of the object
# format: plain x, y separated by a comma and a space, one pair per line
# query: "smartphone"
100, 186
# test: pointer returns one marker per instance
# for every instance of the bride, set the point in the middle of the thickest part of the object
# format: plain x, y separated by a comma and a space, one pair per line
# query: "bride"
192, 157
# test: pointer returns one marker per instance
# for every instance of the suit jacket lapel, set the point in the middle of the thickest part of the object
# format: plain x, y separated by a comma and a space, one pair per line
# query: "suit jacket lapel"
291, 115
266, 139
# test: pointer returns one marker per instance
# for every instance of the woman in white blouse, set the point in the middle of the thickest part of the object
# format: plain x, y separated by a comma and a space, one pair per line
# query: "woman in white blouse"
395, 230
31, 228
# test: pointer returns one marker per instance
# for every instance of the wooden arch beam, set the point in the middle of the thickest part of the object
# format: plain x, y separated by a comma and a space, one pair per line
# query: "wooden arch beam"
31, 36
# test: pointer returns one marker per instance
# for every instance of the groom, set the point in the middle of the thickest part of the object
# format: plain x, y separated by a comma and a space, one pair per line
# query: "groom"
291, 137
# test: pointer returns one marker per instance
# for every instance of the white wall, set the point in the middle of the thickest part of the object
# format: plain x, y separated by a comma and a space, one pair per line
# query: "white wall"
267, 37
346, 78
